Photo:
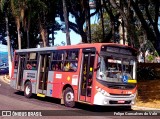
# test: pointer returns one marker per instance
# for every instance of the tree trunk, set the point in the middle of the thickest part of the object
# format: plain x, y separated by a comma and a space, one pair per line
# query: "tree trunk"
150, 34
53, 36
88, 22
102, 20
9, 47
65, 15
123, 32
28, 27
43, 35
28, 39
18, 31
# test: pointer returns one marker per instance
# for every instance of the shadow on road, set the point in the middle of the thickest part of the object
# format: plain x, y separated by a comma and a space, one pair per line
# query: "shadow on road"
96, 108
21, 93
84, 107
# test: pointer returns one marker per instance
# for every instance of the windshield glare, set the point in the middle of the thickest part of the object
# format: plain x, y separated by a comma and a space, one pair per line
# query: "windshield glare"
116, 69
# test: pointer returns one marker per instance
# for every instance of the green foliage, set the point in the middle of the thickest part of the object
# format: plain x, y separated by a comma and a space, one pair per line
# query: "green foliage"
146, 73
150, 58
96, 29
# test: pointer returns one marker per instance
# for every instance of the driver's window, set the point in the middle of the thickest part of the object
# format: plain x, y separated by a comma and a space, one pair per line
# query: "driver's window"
114, 69
127, 67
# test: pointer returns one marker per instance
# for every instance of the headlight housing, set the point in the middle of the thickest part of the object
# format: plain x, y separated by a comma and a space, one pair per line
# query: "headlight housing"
103, 92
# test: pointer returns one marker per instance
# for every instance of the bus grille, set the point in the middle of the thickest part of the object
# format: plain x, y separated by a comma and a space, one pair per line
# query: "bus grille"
119, 94
125, 87
116, 102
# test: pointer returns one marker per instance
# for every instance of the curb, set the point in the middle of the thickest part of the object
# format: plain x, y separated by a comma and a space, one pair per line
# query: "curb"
5, 79
144, 108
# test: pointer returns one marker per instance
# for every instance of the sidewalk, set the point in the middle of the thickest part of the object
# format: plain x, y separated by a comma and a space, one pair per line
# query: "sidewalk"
143, 108
5, 78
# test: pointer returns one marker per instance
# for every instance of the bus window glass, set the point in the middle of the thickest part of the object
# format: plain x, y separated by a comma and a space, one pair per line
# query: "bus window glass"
71, 60
32, 56
16, 57
115, 69
71, 55
16, 61
58, 55
31, 61
57, 65
57, 61
65, 60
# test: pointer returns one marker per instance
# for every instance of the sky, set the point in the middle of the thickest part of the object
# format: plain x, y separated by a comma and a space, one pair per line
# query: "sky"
74, 37
60, 36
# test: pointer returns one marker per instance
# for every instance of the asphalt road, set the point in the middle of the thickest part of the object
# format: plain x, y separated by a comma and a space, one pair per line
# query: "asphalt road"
14, 101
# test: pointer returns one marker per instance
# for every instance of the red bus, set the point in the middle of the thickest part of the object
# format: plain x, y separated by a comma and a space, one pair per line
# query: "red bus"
95, 74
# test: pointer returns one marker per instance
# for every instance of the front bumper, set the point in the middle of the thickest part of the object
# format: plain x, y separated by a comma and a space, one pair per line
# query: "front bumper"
114, 100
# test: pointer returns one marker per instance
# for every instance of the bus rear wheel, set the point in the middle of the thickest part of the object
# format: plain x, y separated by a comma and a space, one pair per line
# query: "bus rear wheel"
69, 97
28, 90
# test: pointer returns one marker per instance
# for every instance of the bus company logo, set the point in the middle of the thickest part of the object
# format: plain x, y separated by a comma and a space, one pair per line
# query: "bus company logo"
6, 113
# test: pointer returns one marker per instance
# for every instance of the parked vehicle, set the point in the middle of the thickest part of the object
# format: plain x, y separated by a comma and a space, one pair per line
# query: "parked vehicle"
4, 69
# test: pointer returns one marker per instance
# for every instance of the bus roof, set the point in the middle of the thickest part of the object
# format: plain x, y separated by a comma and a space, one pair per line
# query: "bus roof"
81, 45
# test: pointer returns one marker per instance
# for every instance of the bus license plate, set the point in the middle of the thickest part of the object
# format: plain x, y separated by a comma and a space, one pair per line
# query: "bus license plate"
121, 101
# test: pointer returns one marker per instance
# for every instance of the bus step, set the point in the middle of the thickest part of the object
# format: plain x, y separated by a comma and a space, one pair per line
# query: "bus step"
40, 95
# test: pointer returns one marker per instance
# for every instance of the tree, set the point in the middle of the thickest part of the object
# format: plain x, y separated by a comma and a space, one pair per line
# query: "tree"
3, 3
65, 14
147, 13
96, 30
148, 17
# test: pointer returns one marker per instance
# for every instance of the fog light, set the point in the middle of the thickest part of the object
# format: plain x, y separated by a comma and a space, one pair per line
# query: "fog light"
105, 102
132, 102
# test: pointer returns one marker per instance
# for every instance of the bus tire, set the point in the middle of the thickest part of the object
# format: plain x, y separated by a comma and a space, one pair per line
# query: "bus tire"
28, 90
69, 97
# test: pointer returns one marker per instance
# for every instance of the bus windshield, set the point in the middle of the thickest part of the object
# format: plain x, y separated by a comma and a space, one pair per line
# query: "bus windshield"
114, 69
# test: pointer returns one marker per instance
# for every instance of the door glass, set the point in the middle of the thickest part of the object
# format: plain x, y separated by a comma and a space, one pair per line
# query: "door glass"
87, 74
45, 61
21, 68
84, 74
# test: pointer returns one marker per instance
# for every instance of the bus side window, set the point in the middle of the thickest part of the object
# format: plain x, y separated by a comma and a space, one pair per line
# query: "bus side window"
31, 61
16, 65
16, 58
28, 66
56, 65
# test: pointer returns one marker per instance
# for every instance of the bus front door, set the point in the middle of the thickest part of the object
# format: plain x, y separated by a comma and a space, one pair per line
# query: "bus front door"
43, 73
86, 76
21, 67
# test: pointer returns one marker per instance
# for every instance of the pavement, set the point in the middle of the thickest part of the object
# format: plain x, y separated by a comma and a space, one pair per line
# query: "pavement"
6, 79
143, 108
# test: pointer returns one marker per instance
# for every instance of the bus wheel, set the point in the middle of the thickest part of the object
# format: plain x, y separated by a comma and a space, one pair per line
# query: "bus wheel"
69, 97
28, 90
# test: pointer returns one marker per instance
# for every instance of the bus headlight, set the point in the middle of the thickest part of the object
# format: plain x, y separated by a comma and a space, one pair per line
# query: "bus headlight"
103, 92
106, 94
134, 94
